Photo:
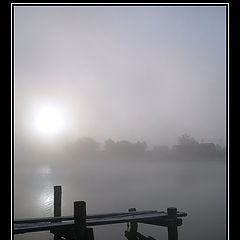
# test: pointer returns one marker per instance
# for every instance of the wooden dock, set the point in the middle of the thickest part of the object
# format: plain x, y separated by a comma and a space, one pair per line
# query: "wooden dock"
77, 227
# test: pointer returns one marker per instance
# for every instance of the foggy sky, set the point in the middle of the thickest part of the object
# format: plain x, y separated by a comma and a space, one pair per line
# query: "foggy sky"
135, 73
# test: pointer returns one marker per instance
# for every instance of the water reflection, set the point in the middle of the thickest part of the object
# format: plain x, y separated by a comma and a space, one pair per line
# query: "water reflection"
197, 188
45, 200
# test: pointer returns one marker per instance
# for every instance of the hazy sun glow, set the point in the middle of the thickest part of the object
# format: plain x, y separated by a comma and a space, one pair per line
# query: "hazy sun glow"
49, 120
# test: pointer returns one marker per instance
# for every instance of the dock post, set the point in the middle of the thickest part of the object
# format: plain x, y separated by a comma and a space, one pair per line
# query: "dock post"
133, 225
172, 225
132, 233
57, 205
80, 219
57, 201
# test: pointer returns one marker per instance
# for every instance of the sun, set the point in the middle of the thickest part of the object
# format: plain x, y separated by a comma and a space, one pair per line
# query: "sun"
49, 120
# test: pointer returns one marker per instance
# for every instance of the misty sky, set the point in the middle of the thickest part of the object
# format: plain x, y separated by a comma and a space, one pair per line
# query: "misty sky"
134, 73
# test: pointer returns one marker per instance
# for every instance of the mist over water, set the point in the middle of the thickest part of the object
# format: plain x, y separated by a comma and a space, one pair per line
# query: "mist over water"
111, 182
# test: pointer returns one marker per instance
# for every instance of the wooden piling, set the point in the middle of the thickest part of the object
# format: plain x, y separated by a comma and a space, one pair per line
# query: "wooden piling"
80, 219
57, 201
57, 211
131, 234
172, 225
133, 225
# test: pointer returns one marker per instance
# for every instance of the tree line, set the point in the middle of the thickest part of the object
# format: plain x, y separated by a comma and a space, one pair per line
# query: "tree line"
187, 147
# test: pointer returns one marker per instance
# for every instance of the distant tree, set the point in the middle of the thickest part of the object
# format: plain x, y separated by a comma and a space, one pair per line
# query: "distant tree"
86, 144
160, 149
125, 147
109, 145
141, 146
160, 152
186, 140
189, 148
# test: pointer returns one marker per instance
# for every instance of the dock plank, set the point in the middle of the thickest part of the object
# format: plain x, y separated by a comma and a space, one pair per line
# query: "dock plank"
103, 219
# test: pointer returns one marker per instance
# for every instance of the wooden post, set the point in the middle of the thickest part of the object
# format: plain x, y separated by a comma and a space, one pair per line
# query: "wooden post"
57, 201
133, 225
89, 234
80, 219
57, 208
132, 233
172, 225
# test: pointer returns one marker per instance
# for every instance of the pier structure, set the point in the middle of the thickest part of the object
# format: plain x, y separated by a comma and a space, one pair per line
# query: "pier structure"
80, 226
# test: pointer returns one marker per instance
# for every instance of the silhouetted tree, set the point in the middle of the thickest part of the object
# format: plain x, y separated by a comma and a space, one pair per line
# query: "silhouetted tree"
83, 145
186, 140
125, 147
87, 144
109, 145
160, 152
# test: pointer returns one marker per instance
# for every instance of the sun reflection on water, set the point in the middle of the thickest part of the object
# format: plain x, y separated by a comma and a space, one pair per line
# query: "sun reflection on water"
46, 201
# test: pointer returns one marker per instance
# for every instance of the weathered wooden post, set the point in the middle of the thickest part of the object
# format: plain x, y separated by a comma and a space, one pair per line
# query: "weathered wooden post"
57, 205
133, 225
57, 201
172, 224
80, 219
131, 234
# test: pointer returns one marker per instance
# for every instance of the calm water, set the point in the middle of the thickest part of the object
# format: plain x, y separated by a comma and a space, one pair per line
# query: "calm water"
195, 187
